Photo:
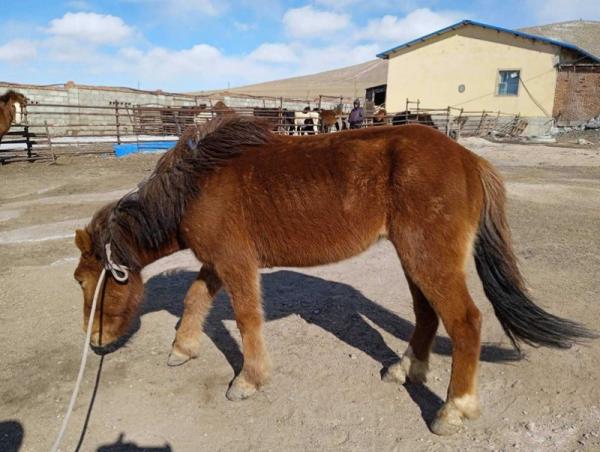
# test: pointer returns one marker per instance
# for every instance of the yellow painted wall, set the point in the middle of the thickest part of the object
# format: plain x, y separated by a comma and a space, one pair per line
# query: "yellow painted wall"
432, 72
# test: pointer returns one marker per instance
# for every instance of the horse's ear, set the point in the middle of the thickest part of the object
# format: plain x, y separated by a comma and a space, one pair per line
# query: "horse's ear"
83, 241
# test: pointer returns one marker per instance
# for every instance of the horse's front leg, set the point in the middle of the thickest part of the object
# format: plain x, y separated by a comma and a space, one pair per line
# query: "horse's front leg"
242, 282
197, 304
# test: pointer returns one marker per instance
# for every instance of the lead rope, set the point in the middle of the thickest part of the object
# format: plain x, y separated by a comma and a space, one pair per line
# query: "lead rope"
88, 335
121, 274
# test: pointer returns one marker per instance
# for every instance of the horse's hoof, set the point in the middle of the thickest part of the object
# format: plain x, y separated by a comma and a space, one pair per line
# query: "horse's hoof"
177, 358
183, 350
395, 374
240, 389
442, 427
448, 421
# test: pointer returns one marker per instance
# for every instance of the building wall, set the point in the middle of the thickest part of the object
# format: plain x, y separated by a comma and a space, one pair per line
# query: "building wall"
432, 72
577, 94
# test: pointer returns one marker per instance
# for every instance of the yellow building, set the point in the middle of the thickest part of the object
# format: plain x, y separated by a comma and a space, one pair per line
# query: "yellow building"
479, 67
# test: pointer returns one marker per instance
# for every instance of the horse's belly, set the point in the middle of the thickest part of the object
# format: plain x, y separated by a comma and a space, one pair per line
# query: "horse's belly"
326, 240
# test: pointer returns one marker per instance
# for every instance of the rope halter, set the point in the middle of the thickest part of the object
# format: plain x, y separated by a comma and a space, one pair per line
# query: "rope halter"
119, 272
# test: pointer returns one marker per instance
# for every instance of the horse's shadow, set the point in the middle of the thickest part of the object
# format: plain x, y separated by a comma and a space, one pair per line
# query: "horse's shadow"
335, 307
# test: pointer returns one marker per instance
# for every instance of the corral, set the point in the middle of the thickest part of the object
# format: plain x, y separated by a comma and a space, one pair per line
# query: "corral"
356, 314
67, 125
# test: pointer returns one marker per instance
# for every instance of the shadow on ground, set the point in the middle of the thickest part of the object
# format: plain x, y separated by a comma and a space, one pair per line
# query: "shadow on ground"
120, 446
335, 307
11, 436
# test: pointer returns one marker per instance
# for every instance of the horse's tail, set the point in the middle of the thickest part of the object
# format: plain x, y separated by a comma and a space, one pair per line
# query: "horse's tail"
503, 284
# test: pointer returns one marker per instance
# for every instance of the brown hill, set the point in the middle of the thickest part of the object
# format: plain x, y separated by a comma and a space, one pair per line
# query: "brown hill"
583, 33
348, 82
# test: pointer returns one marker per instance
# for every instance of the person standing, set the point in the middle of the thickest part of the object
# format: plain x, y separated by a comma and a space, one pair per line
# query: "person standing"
357, 115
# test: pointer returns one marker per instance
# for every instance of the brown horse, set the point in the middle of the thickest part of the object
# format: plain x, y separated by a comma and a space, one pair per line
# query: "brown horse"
408, 117
11, 108
331, 119
242, 198
221, 109
380, 117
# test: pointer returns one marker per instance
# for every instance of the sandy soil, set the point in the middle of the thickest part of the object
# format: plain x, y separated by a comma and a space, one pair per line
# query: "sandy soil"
330, 331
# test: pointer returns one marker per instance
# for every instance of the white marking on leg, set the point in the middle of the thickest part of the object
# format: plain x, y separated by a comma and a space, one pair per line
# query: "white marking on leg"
468, 404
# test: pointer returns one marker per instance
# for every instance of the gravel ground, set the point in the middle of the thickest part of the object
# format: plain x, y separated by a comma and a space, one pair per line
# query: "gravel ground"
330, 330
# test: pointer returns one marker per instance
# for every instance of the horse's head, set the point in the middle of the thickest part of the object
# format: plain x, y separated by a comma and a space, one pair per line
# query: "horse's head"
16, 102
117, 303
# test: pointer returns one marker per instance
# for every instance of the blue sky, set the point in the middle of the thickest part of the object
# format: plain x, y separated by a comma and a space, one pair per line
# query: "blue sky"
183, 45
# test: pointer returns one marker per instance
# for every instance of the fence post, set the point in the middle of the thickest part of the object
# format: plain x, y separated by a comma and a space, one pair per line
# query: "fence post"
448, 121
28, 142
117, 122
483, 115
516, 123
495, 127
320, 99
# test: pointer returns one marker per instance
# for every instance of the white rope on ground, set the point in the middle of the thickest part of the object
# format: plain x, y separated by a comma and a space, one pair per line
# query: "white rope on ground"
88, 335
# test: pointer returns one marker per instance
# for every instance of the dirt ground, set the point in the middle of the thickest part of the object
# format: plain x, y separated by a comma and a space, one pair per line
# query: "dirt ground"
330, 332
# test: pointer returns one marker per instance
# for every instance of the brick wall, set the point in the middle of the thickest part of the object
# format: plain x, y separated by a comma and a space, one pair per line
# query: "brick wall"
577, 95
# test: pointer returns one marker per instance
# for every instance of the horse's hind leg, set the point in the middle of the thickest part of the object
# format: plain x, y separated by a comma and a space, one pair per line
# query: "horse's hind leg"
242, 283
436, 267
462, 321
197, 304
415, 361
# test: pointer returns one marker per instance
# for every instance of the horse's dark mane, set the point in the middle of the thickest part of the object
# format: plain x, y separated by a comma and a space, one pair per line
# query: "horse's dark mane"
148, 219
11, 94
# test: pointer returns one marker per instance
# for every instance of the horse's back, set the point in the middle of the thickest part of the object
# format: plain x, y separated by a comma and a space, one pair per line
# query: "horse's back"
314, 200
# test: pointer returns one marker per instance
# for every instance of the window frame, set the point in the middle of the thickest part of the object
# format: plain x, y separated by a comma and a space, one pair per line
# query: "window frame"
499, 81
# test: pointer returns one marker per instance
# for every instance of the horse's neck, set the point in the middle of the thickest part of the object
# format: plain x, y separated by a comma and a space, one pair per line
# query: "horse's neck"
147, 257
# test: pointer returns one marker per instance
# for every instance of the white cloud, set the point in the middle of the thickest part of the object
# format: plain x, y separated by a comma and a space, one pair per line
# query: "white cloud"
322, 58
91, 27
199, 67
310, 23
17, 50
399, 30
274, 53
547, 11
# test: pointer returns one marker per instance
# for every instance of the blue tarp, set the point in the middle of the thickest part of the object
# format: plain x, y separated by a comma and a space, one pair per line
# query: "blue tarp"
143, 146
